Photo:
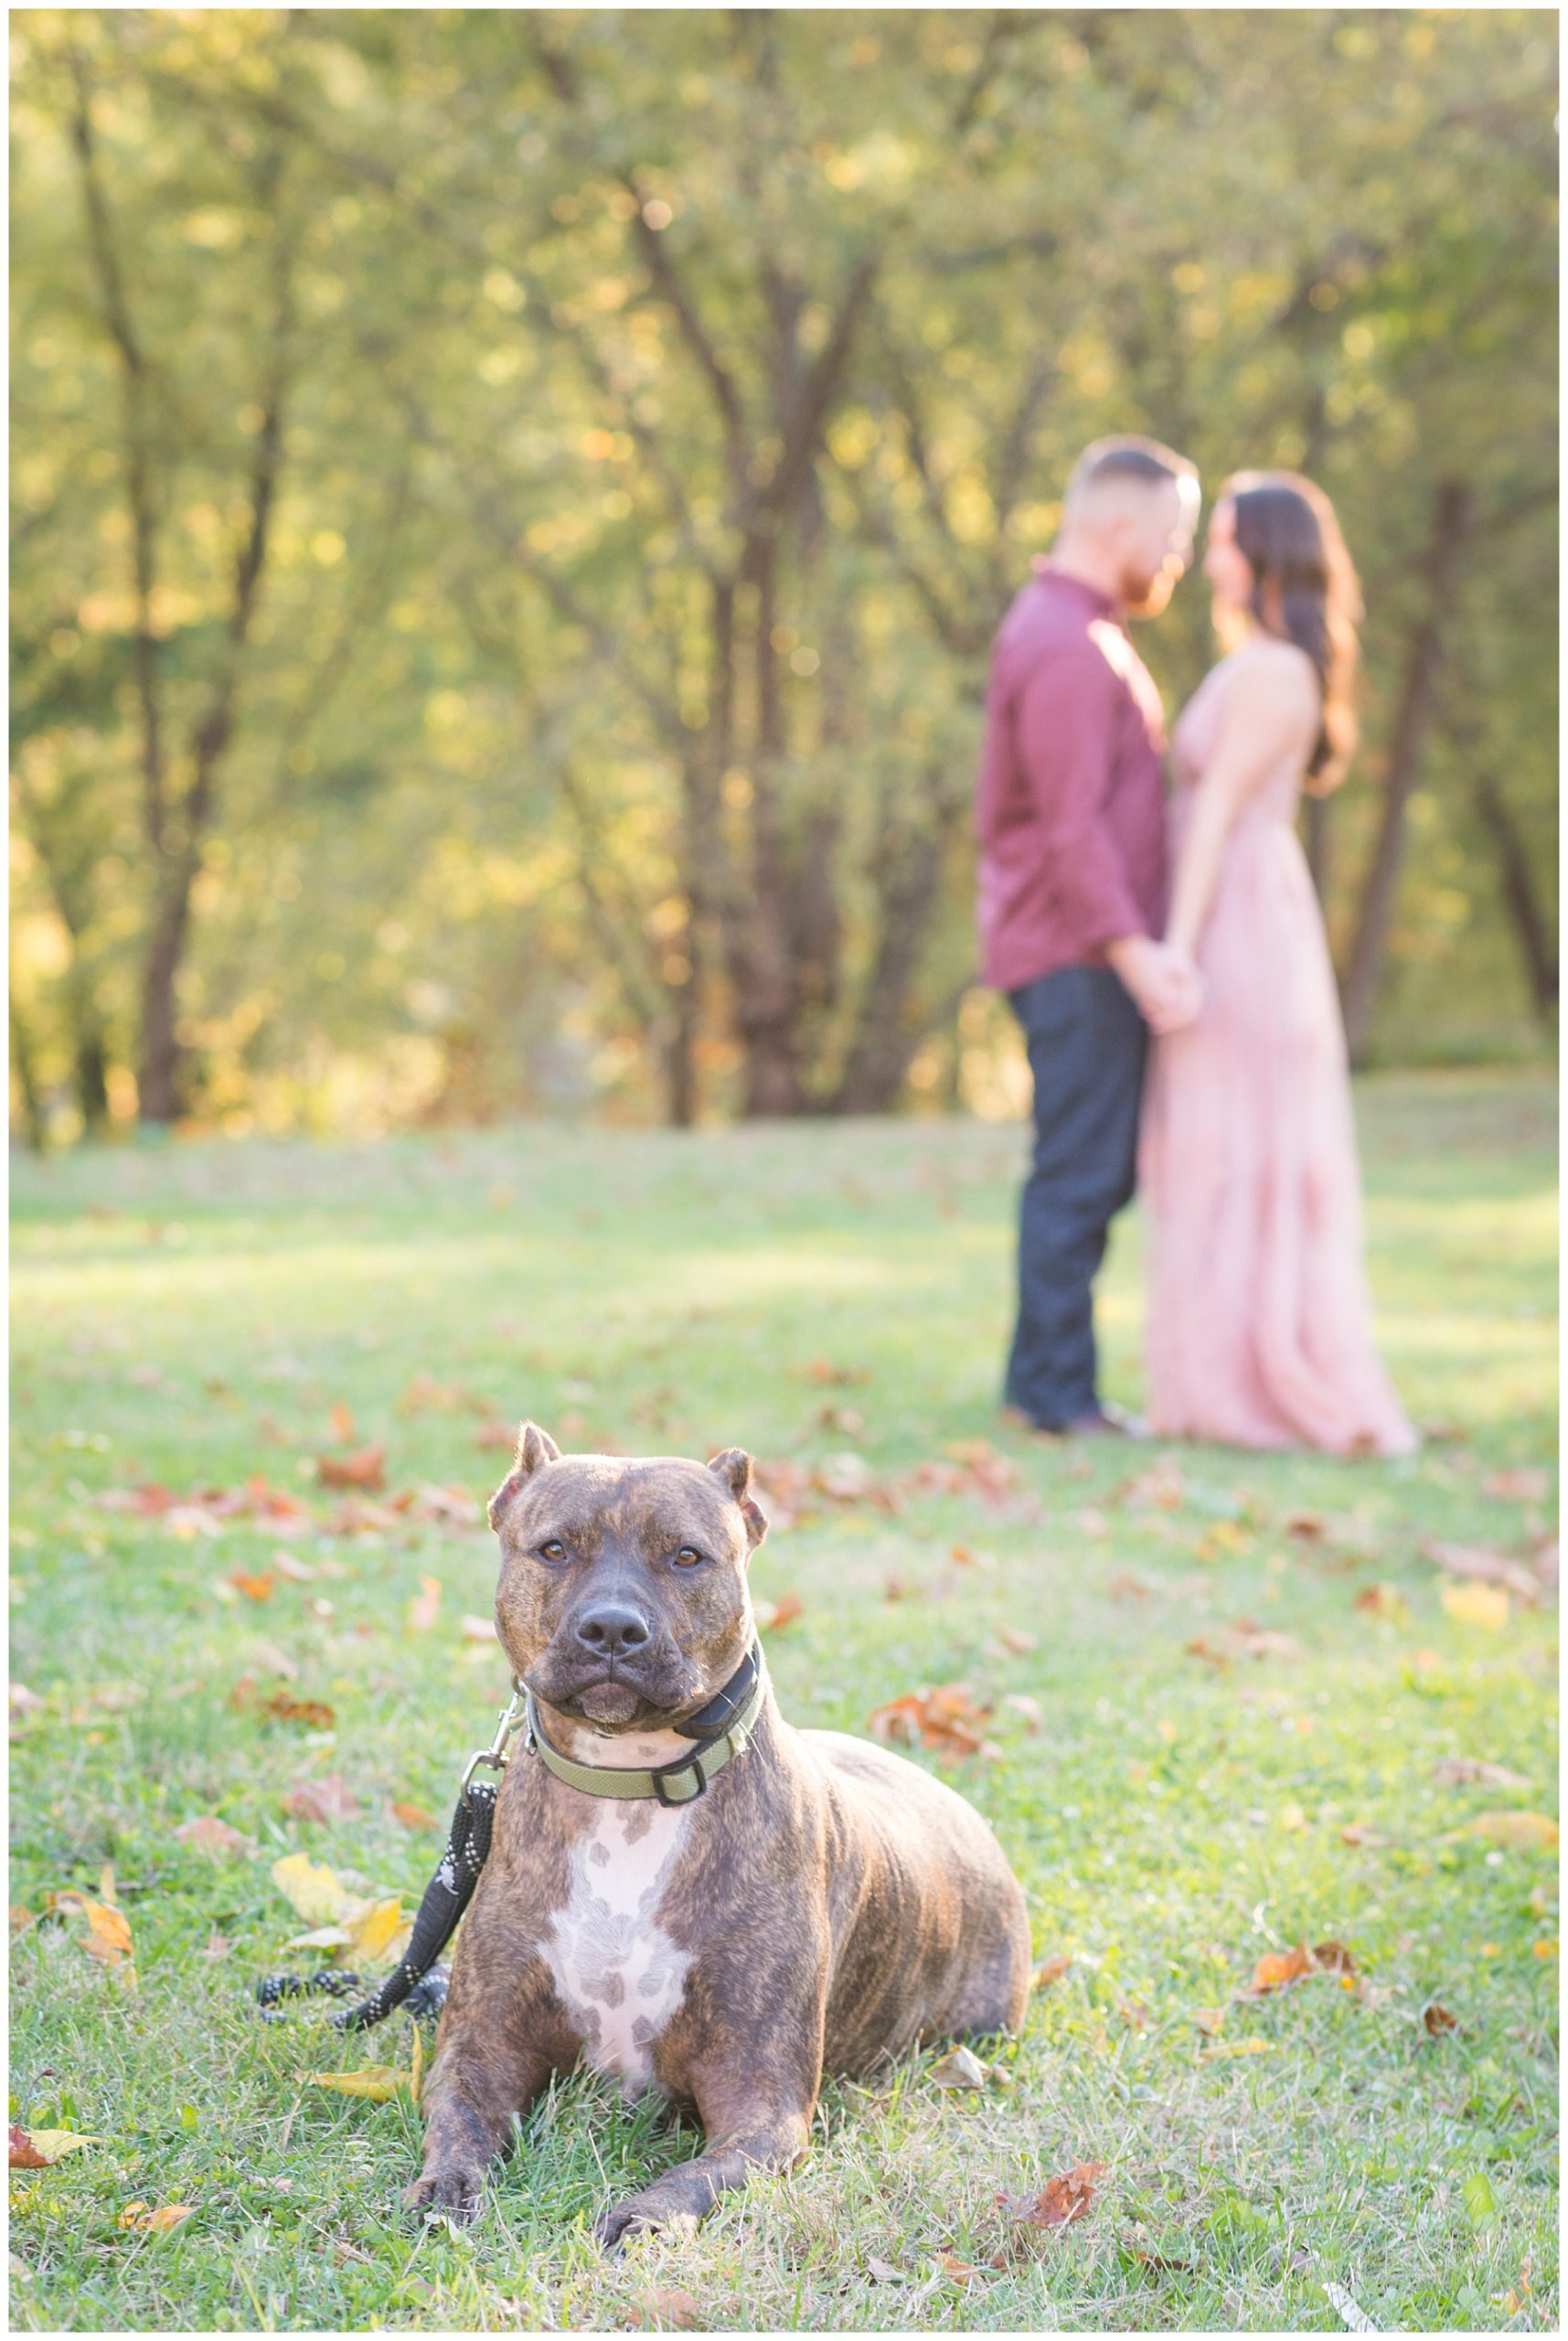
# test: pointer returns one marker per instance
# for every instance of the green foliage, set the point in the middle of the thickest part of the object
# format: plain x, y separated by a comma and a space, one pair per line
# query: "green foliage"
668, 407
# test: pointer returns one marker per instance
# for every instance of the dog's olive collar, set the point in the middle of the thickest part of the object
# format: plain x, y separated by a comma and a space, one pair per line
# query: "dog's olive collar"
670, 1784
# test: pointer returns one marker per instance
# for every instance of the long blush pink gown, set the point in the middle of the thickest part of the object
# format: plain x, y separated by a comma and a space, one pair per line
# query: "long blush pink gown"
1258, 1329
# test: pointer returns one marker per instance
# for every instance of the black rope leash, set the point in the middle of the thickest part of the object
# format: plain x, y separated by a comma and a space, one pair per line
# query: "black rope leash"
416, 1980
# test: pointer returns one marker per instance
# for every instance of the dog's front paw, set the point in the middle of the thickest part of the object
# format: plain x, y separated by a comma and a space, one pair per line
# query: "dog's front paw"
455, 2193
640, 2215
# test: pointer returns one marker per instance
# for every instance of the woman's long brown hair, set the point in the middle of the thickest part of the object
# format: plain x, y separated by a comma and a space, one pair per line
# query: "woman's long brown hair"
1304, 590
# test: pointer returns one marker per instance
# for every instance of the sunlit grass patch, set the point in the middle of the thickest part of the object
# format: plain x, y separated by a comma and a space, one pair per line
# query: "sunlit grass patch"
1177, 1808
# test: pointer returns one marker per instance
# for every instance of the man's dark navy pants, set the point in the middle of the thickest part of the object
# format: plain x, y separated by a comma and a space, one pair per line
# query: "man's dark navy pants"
1087, 1044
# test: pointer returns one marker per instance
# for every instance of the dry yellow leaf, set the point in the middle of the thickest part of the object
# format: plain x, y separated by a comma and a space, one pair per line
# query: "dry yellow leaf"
155, 2222
378, 2082
372, 1926
1485, 1606
50, 2145
109, 1936
425, 1607
1239, 2048
416, 2086
1546, 1948
1515, 1828
321, 1939
315, 1892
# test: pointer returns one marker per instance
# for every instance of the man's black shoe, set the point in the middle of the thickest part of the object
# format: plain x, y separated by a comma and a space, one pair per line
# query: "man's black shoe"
1107, 1421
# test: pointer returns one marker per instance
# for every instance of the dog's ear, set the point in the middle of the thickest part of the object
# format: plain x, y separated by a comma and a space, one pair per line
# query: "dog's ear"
734, 1468
535, 1448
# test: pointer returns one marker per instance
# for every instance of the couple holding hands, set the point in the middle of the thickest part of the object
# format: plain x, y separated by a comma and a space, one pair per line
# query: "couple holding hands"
1168, 965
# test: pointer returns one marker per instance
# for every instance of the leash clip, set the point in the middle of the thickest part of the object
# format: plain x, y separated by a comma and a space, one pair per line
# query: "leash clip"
511, 1719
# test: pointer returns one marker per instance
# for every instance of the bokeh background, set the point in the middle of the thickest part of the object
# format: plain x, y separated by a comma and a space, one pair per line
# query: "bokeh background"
510, 508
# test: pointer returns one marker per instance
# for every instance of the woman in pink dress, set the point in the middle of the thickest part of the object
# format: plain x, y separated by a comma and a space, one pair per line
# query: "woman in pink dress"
1259, 1330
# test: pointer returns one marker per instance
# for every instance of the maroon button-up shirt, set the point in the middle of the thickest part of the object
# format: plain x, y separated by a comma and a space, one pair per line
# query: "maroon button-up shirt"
1070, 808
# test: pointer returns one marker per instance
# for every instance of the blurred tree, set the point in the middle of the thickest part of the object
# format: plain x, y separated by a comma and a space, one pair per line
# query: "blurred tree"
510, 510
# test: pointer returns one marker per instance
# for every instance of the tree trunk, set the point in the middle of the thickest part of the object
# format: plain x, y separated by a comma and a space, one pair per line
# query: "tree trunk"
908, 889
1537, 949
1423, 655
159, 1096
25, 1071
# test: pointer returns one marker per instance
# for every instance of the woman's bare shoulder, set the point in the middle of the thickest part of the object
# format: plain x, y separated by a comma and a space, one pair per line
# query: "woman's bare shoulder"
1268, 663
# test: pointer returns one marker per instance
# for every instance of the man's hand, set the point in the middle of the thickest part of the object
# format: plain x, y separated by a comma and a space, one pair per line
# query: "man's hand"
1165, 983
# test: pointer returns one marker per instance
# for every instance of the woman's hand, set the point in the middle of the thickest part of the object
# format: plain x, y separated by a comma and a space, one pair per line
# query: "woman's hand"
1184, 992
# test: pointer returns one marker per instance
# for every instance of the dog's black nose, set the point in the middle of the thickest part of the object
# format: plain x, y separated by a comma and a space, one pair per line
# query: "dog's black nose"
611, 1630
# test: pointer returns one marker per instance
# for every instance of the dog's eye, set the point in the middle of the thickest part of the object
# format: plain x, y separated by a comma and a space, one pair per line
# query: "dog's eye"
687, 1557
552, 1549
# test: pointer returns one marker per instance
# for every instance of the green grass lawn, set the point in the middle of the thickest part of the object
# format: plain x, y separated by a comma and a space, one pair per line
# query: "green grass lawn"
190, 1315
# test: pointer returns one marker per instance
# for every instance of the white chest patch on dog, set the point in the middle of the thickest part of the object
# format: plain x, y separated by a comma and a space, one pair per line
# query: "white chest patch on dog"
619, 1975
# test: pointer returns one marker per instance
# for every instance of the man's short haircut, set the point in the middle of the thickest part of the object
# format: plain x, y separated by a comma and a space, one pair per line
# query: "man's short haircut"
1128, 457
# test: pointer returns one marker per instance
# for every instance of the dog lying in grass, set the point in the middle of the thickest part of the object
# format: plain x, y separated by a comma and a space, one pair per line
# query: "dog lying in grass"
683, 1890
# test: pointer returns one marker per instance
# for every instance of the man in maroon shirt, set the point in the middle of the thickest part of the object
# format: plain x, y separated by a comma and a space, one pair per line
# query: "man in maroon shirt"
1071, 815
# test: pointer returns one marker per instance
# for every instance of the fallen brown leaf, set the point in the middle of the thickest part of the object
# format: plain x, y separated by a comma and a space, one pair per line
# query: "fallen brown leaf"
1383, 1601
425, 1607
1125, 1587
845, 1478
1015, 1639
210, 1835
1279, 1969
1361, 1832
1480, 1562
326, 1800
1161, 1486
284, 1708
342, 1421
665, 2305
1051, 1970
414, 1816
425, 1394
366, 1469
476, 1629
1210, 2021
41, 2149
1530, 1486
782, 1613
960, 2069
1466, 1771
254, 1588
1437, 2019
957, 2271
947, 1720
1061, 2202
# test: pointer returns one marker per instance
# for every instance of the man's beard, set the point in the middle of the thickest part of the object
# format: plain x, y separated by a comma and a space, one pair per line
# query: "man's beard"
1144, 595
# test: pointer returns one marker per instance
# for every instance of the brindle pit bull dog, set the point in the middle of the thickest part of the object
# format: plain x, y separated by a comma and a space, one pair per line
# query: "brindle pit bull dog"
821, 1905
